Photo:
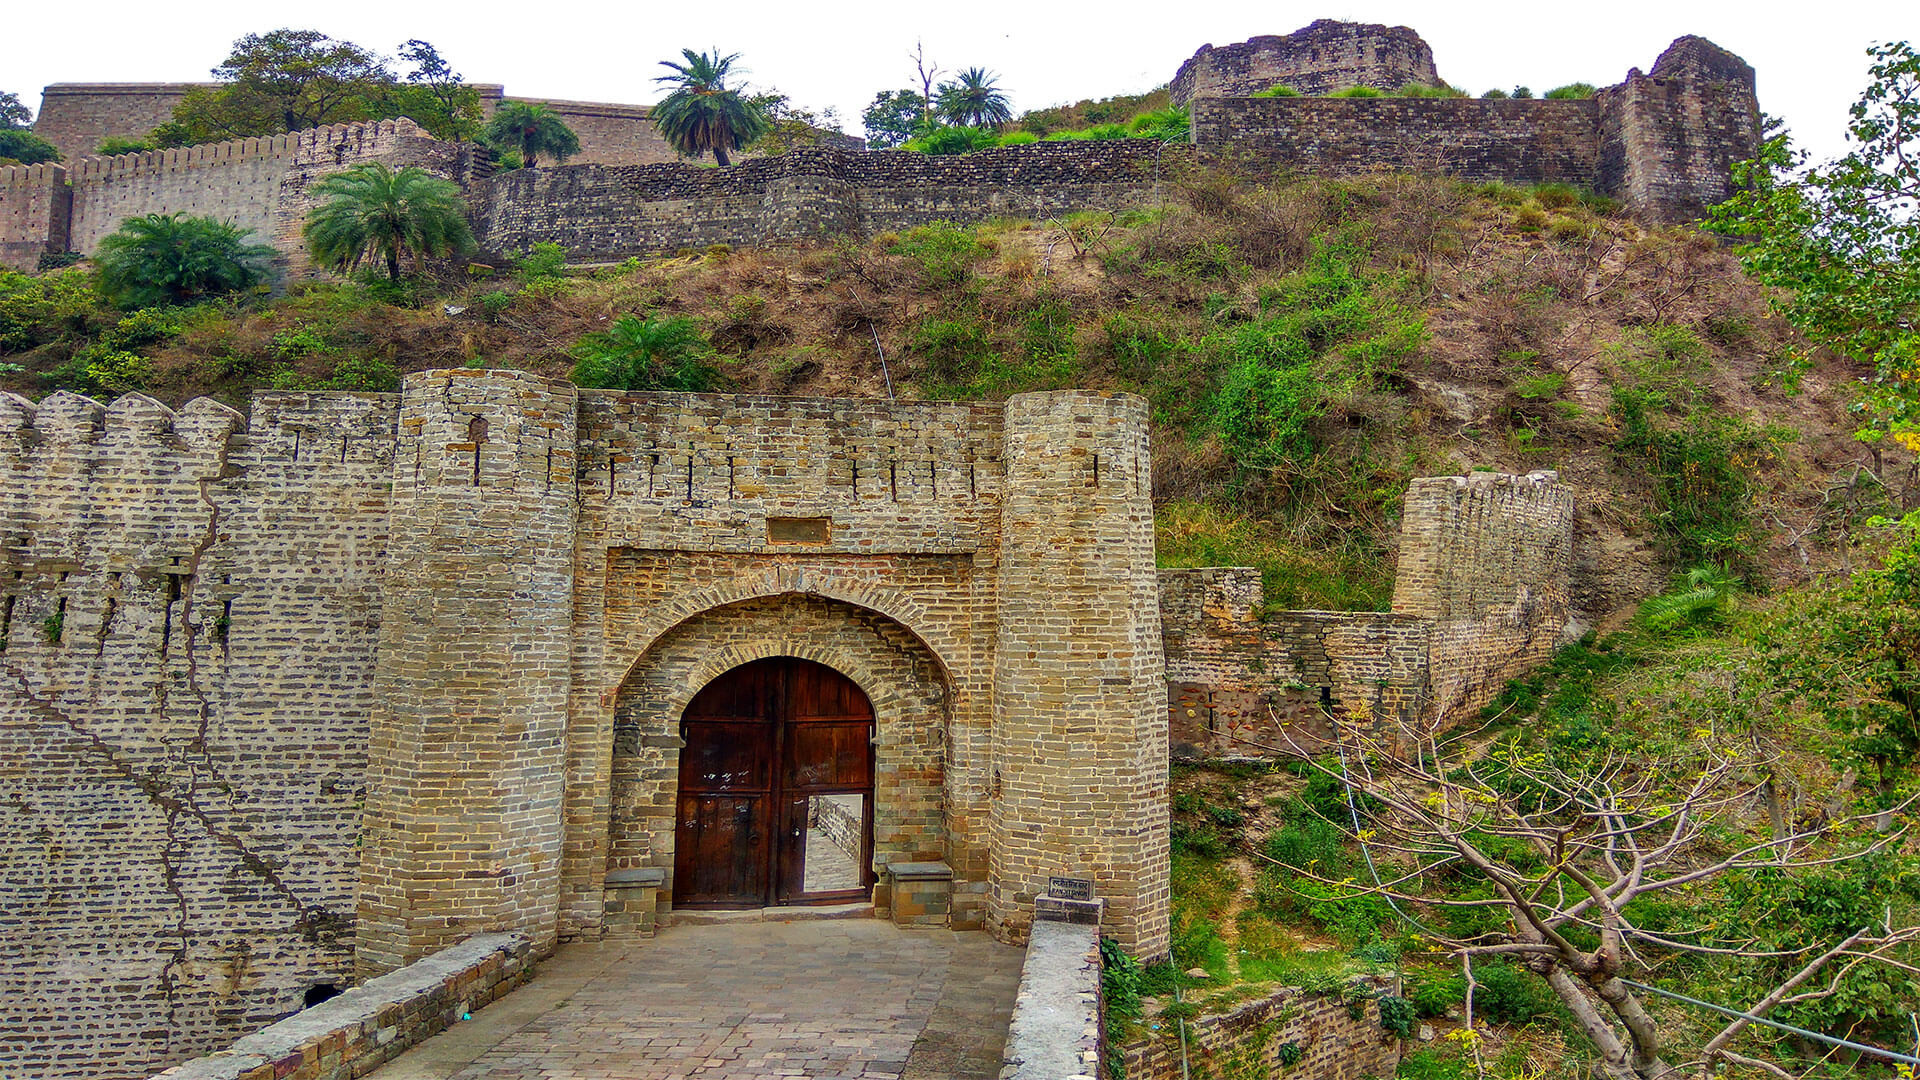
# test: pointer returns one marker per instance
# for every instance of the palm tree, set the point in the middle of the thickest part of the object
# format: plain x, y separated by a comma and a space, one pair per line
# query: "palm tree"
973, 100
176, 259
377, 212
533, 130
702, 114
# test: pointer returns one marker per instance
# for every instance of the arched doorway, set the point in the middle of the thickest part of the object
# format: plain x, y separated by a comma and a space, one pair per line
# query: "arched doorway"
776, 789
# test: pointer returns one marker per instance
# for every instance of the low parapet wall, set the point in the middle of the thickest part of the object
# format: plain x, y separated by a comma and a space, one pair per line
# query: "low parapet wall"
348, 1036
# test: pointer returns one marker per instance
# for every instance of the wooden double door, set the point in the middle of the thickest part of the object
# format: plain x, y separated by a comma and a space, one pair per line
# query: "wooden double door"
776, 789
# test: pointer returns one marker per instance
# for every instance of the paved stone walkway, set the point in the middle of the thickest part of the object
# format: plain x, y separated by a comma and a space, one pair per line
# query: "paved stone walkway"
845, 998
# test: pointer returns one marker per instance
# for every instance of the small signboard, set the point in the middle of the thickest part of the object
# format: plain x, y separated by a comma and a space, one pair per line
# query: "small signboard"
1070, 888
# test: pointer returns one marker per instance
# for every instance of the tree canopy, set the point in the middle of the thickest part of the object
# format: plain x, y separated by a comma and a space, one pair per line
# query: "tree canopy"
530, 130
1842, 240
894, 117
13, 114
176, 259
974, 99
376, 212
703, 114
291, 80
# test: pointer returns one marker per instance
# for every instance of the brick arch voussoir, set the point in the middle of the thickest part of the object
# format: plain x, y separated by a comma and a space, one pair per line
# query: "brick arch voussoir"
898, 607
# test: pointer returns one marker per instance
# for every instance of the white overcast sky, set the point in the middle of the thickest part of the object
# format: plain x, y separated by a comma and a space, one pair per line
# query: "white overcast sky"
1810, 57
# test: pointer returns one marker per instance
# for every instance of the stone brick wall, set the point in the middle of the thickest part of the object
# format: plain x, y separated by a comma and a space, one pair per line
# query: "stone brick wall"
1533, 141
1079, 784
1334, 1043
610, 134
1320, 58
36, 210
377, 1021
76, 117
604, 213
1480, 596
463, 829
186, 653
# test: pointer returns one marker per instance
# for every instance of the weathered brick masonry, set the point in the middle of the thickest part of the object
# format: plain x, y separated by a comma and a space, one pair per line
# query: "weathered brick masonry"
1331, 1040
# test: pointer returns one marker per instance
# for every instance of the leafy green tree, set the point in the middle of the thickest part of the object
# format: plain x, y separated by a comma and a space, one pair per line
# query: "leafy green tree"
789, 125
283, 80
646, 354
894, 117
1842, 240
26, 148
376, 212
13, 114
435, 95
702, 114
532, 130
973, 99
176, 259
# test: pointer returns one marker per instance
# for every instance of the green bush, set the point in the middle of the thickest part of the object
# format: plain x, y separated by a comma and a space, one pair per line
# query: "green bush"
1572, 92
945, 250
646, 354
1276, 92
1507, 994
37, 310
952, 350
1415, 90
176, 259
543, 263
365, 373
1359, 92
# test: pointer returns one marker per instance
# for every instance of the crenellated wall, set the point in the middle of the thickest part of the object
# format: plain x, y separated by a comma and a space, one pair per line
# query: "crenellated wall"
259, 184
1480, 597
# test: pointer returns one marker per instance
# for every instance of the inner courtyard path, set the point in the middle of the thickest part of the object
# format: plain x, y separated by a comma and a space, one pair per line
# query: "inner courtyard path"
840, 998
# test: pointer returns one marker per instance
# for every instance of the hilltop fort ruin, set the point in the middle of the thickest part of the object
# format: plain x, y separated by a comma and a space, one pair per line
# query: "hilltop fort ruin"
1661, 142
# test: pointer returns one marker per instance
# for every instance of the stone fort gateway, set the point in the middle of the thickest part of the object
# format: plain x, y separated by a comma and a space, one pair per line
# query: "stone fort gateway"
298, 698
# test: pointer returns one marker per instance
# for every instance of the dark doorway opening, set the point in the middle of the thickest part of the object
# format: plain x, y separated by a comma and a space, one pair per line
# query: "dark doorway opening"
776, 789
320, 993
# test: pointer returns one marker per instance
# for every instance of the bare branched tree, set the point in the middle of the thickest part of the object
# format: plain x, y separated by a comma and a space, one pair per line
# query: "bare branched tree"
1568, 847
929, 71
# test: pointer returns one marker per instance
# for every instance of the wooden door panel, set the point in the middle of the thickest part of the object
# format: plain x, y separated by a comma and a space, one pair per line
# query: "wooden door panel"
726, 755
721, 857
828, 754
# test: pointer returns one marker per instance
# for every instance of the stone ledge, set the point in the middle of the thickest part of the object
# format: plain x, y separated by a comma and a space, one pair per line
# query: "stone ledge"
920, 871
1055, 1032
375, 1021
650, 877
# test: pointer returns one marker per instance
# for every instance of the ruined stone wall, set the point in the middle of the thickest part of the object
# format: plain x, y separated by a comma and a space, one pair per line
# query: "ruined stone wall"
186, 651
1671, 138
36, 209
77, 117
1333, 1043
599, 212
1532, 141
1480, 597
1320, 58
